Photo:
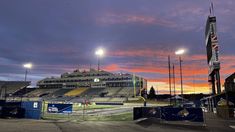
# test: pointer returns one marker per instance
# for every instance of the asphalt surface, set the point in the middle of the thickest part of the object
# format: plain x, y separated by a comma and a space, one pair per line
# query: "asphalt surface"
213, 124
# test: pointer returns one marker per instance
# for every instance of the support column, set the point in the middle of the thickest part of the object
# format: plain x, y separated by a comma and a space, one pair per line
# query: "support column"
218, 85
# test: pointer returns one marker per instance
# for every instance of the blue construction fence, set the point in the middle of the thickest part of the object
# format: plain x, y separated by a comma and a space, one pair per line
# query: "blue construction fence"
26, 109
169, 113
33, 109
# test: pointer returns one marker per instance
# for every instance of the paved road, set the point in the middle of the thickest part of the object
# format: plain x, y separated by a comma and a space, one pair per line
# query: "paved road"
22, 125
113, 126
219, 125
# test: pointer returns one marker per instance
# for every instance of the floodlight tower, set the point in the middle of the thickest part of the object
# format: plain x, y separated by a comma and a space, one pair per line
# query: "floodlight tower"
27, 67
180, 52
99, 53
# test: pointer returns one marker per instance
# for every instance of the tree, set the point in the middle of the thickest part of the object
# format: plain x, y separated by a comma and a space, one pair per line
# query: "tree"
152, 93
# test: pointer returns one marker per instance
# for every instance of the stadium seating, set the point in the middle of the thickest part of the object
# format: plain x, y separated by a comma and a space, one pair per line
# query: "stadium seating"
127, 91
112, 91
60, 99
23, 91
40, 92
76, 92
59, 92
10, 87
92, 92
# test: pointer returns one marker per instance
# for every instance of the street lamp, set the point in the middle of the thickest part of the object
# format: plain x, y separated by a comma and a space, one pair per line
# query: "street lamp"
27, 66
180, 52
99, 53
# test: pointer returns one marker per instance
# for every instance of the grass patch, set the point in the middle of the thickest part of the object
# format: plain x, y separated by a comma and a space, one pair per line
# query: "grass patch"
148, 101
117, 117
91, 107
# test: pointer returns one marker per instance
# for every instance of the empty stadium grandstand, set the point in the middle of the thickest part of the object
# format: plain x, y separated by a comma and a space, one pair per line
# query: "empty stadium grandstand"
92, 78
8, 88
93, 85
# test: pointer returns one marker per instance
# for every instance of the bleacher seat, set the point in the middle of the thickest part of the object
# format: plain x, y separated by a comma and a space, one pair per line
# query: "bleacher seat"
10, 87
91, 92
75, 92
59, 92
40, 92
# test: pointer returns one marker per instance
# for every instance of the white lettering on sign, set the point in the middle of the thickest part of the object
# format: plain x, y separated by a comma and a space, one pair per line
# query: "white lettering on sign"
35, 104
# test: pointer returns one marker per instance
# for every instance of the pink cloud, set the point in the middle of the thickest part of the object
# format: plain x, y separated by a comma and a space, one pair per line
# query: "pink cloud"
114, 18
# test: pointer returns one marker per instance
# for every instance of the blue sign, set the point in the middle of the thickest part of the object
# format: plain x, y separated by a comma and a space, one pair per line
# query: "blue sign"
146, 112
59, 108
182, 114
169, 113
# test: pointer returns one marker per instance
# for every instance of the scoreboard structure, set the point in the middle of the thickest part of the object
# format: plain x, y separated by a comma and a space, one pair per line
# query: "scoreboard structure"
212, 48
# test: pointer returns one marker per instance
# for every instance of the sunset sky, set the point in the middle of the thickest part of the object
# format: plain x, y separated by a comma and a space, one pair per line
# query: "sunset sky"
59, 36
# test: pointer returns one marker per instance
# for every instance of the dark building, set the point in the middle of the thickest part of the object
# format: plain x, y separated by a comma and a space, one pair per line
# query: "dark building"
229, 83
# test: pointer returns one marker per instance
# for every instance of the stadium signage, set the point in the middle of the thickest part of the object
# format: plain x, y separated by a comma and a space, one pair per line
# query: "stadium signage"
59, 108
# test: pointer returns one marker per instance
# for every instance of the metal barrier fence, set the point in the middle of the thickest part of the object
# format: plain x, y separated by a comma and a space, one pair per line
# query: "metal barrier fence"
81, 111
169, 113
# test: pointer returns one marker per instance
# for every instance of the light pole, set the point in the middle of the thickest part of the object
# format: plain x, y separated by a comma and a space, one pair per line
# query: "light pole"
169, 68
99, 53
179, 53
27, 66
174, 82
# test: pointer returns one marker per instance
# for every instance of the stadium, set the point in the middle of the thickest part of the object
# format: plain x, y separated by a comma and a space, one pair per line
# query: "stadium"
93, 85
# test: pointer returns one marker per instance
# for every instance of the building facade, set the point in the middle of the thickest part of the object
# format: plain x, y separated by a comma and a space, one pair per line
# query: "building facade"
229, 83
93, 79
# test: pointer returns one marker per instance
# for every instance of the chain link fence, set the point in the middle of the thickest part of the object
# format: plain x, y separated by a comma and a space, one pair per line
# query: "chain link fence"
87, 112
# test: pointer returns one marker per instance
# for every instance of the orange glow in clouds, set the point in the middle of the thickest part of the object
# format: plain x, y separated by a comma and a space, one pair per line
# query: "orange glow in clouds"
195, 69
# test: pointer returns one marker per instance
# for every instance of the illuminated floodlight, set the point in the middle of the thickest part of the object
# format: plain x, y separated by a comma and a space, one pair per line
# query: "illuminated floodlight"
28, 65
180, 52
99, 52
